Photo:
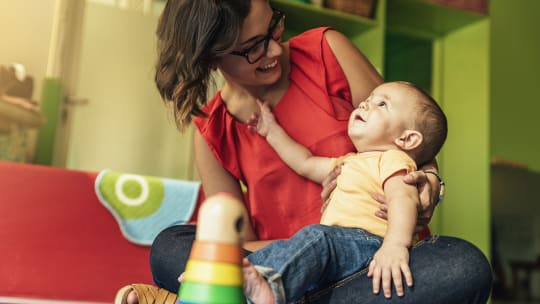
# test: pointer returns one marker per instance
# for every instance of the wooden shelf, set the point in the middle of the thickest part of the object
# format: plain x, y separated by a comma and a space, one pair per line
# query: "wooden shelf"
301, 17
425, 19
13, 113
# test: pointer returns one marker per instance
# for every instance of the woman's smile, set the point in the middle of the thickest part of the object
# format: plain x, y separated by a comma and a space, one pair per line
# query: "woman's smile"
267, 67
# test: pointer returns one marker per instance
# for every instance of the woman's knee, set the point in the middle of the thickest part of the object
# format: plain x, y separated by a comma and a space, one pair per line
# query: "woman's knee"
465, 256
472, 262
453, 264
169, 254
172, 239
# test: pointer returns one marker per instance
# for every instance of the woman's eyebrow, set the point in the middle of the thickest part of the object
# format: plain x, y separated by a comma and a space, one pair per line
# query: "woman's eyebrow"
259, 36
254, 38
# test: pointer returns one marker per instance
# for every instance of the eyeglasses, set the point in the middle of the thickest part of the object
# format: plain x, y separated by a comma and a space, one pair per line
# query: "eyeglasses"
259, 49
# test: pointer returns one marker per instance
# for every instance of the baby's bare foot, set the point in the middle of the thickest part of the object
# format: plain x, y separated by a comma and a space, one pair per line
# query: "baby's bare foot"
256, 288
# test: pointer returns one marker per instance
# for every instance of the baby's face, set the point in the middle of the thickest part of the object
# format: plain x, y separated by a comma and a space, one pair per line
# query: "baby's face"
382, 117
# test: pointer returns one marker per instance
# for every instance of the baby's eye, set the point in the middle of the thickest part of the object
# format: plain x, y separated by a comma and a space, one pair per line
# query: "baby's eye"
382, 104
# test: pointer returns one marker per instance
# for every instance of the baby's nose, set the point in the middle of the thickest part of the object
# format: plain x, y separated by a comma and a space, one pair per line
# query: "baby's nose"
363, 105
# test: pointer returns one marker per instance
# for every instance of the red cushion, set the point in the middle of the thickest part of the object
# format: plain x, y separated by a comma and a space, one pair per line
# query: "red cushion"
58, 242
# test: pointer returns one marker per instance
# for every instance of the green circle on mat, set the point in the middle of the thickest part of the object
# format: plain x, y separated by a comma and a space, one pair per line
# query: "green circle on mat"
207, 293
131, 191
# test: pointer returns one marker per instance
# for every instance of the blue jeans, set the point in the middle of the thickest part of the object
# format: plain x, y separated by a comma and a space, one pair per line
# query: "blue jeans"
315, 257
445, 270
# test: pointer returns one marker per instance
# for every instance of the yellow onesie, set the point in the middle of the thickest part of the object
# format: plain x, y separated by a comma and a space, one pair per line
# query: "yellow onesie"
362, 175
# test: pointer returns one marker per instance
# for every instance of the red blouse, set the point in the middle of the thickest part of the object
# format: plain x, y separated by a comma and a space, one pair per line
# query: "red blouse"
314, 111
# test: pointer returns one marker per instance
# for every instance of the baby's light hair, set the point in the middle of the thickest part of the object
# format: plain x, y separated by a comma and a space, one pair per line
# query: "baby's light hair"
431, 121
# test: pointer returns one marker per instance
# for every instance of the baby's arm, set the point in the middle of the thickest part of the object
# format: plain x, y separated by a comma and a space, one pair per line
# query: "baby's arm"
392, 259
296, 156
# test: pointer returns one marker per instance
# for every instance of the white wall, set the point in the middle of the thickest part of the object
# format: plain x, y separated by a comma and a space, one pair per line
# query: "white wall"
125, 126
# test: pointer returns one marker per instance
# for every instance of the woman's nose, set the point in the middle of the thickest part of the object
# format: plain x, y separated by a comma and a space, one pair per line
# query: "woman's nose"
274, 49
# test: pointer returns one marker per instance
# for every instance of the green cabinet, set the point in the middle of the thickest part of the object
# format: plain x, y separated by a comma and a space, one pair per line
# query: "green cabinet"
366, 33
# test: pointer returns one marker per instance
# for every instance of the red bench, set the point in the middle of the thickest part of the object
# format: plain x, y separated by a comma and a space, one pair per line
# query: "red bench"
58, 242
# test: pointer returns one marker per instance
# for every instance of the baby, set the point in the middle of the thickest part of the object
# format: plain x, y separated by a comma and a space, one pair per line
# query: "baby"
395, 129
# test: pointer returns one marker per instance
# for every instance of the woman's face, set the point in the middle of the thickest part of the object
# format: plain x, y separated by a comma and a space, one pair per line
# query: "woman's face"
262, 26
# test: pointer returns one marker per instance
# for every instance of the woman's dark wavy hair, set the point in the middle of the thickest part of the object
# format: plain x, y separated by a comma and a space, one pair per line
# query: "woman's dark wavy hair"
192, 35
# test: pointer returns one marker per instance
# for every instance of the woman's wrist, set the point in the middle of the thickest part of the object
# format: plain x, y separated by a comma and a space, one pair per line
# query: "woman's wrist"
441, 184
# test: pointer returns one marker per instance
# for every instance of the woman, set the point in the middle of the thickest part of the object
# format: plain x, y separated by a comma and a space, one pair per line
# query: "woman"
312, 83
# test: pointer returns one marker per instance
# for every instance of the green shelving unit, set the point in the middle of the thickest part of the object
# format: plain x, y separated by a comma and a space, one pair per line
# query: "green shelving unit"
427, 19
365, 33
301, 16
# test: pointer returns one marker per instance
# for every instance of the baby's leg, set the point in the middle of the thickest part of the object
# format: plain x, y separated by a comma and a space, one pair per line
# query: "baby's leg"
256, 288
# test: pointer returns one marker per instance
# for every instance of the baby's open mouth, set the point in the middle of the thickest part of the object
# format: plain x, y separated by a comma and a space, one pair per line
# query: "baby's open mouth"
359, 117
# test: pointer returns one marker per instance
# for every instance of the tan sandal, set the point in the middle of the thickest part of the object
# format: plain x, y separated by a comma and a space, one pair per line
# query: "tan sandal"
147, 294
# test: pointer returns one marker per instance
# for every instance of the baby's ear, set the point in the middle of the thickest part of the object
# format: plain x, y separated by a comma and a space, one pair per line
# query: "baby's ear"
409, 140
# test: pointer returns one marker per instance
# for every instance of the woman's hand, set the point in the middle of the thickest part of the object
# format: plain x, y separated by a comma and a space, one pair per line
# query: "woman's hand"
428, 193
328, 185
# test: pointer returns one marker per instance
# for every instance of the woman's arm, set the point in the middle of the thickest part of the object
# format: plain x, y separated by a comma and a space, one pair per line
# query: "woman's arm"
433, 195
429, 188
214, 177
360, 73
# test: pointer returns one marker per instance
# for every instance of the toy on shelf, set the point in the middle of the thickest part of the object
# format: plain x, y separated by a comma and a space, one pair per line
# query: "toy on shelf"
19, 114
214, 269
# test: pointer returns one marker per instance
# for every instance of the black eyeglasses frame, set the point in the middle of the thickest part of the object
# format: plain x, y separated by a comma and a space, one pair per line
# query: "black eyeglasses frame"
277, 18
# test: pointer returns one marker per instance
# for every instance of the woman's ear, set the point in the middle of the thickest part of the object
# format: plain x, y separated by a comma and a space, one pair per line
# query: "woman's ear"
409, 140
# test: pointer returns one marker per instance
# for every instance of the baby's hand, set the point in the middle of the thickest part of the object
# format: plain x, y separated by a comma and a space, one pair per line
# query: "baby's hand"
262, 122
253, 122
388, 263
